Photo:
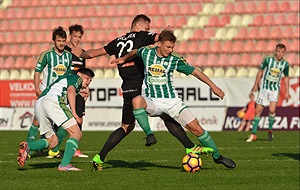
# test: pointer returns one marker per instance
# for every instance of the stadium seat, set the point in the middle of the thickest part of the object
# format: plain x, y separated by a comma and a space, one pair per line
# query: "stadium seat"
181, 21
285, 7
269, 20
201, 61
271, 45
208, 9
295, 6
257, 59
212, 60
264, 33
99, 73
246, 20
261, 46
14, 74
215, 46
287, 32
258, 20
198, 34
294, 46
238, 47
220, 34
108, 73
191, 59
242, 72
224, 20
204, 47
4, 74
245, 60
230, 72
30, 63
227, 46
231, 33
203, 20
292, 19
213, 21
187, 34
164, 9
183, 47
192, 22
242, 34
235, 60
223, 60
251, 7
20, 62
293, 59
273, 7
154, 10
296, 71
240, 8
280, 19
235, 21
25, 74
291, 72
296, 32
219, 72
253, 72
208, 71
116, 71
249, 46
262, 7
92, 11
229, 8
219, 7
193, 47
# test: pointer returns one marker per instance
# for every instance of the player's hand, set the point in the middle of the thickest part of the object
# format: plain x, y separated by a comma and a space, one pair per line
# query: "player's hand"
118, 61
218, 91
169, 28
85, 93
38, 92
77, 51
78, 119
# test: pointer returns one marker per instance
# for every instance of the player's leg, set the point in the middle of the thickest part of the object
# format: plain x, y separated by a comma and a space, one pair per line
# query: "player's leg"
116, 136
33, 131
140, 104
80, 110
272, 109
177, 131
61, 134
242, 126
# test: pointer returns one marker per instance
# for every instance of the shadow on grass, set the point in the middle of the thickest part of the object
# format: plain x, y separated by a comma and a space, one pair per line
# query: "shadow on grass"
140, 165
290, 155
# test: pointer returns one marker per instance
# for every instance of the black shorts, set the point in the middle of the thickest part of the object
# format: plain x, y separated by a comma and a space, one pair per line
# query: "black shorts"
80, 105
127, 111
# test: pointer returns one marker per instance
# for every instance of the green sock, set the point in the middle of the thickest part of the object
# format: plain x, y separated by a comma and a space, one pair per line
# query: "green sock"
61, 134
271, 121
32, 133
40, 144
255, 124
142, 118
207, 141
71, 146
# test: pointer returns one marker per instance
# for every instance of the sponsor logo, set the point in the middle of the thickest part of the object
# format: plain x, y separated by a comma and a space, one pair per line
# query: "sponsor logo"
60, 69
156, 70
157, 80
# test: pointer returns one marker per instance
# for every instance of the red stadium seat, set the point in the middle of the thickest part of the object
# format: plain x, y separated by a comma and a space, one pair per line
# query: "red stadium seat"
276, 33
249, 46
164, 9
9, 63
293, 59
294, 46
20, 62
292, 19
258, 21
209, 33
238, 46
271, 46
223, 60
253, 33
295, 6
262, 7
280, 19
287, 32
261, 46
198, 34
285, 6
269, 20
242, 34
188, 10
234, 60
229, 8
154, 10
204, 46
213, 21
240, 8
264, 33
193, 47
224, 20
215, 47
256, 59
296, 32
251, 7
91, 11
273, 7
212, 60
201, 60
245, 60
175, 9
227, 47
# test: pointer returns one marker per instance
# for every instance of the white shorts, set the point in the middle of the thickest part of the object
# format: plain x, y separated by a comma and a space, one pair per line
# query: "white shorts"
48, 110
174, 107
266, 96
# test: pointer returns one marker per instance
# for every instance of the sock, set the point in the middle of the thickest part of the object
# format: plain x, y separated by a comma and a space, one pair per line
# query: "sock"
177, 131
207, 141
40, 144
271, 121
61, 134
70, 148
32, 133
114, 139
255, 124
142, 118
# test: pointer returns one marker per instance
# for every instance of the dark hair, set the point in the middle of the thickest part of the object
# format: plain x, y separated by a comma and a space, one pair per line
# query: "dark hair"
77, 28
59, 31
86, 71
140, 17
281, 46
167, 35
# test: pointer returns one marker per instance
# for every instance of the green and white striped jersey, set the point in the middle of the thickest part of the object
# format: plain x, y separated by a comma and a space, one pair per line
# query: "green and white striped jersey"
159, 72
59, 87
53, 66
273, 72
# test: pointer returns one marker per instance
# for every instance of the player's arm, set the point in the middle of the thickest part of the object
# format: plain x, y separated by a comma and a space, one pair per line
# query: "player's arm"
91, 53
128, 56
287, 85
72, 102
204, 78
36, 80
257, 81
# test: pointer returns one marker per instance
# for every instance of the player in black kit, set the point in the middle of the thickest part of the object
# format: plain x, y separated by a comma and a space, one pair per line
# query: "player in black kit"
132, 74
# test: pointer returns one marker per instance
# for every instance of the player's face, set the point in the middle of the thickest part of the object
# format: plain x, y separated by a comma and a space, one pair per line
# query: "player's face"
143, 26
75, 38
165, 48
86, 80
59, 43
279, 53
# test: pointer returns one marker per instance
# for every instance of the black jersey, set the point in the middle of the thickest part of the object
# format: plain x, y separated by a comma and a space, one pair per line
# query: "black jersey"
77, 62
132, 71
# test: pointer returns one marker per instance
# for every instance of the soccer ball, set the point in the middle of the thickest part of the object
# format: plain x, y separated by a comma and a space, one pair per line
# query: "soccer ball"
191, 162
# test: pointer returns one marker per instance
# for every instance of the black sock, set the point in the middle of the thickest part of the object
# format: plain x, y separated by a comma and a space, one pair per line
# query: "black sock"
177, 131
114, 139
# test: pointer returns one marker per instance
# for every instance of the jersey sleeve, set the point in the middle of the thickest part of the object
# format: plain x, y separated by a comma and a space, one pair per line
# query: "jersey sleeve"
183, 66
286, 69
110, 47
264, 63
42, 62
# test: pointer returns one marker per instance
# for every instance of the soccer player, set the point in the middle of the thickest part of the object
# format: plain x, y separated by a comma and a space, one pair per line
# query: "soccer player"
54, 62
267, 82
75, 33
51, 107
132, 75
249, 111
160, 96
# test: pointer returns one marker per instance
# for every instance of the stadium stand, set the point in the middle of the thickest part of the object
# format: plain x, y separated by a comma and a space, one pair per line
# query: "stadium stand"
228, 33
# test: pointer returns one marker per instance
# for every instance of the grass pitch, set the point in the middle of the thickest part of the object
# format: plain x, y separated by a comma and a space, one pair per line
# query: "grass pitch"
132, 165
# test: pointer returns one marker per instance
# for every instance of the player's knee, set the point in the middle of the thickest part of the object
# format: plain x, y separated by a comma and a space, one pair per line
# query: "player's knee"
137, 101
128, 127
53, 141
